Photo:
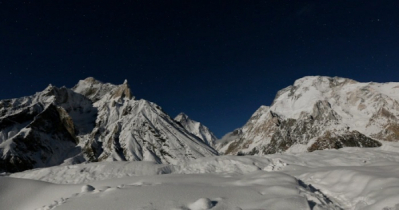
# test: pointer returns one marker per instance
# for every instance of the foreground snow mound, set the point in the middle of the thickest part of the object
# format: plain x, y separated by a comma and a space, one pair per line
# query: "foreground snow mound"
30, 194
87, 188
320, 113
201, 204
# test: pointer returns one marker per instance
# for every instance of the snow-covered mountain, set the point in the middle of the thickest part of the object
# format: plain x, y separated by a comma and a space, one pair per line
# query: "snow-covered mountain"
196, 128
319, 113
92, 121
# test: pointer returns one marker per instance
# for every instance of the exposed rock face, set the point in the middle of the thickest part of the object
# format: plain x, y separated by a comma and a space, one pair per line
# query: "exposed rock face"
92, 122
46, 141
41, 130
93, 89
196, 128
348, 139
321, 113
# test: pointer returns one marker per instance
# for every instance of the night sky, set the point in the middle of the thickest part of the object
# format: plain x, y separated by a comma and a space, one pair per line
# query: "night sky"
217, 61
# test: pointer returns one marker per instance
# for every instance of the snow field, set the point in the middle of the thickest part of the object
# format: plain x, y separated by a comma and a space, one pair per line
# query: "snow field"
174, 191
349, 178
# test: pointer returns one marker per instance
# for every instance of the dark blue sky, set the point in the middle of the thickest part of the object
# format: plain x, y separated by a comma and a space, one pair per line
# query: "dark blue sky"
217, 61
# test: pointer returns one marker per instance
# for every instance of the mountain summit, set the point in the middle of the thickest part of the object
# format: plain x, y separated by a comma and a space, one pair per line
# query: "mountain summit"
320, 113
93, 121
196, 128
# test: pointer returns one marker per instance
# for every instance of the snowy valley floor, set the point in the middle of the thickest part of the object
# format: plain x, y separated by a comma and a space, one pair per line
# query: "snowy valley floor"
350, 178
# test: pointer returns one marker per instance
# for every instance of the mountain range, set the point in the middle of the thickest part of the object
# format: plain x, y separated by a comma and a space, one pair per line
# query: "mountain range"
95, 121
91, 122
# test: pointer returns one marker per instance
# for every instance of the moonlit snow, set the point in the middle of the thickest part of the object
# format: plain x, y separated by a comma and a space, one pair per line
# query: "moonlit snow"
145, 160
349, 178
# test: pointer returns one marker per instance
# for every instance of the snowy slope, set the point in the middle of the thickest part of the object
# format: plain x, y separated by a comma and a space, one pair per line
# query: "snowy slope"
348, 178
196, 128
194, 192
318, 113
217, 183
92, 122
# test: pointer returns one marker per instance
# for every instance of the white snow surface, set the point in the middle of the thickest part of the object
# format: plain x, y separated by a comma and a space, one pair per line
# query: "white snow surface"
349, 178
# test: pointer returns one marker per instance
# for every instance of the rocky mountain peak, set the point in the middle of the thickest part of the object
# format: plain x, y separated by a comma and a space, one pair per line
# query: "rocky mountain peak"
181, 117
354, 113
49, 87
91, 80
122, 91
96, 90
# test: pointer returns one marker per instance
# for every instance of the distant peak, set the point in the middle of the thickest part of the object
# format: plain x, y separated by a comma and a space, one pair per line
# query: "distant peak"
91, 80
181, 116
125, 82
49, 87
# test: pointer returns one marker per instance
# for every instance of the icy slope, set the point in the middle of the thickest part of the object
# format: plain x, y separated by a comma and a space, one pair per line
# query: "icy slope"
92, 122
319, 113
348, 178
196, 128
